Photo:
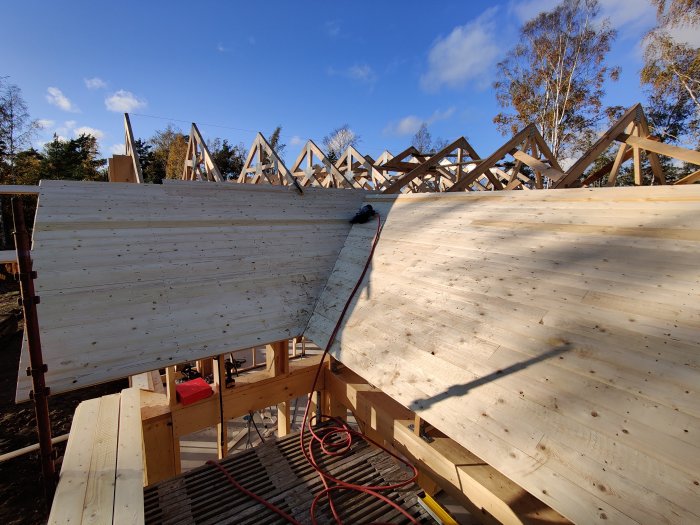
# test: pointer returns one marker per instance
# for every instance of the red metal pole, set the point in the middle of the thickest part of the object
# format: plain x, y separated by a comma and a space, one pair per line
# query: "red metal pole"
37, 368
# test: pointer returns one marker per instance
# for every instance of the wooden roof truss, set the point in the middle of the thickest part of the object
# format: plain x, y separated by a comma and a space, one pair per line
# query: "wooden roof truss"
264, 165
425, 173
527, 149
312, 168
198, 162
631, 136
361, 169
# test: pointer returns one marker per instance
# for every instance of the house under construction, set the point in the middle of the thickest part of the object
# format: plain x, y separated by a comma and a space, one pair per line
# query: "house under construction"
508, 333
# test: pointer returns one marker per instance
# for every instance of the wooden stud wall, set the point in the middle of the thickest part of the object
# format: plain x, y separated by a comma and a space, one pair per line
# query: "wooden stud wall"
134, 278
554, 334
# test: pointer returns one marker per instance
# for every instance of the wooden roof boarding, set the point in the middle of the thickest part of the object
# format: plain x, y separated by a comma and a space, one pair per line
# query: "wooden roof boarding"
554, 334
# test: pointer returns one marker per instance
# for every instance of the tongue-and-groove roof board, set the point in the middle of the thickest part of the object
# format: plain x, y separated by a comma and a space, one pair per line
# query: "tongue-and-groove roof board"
133, 277
555, 334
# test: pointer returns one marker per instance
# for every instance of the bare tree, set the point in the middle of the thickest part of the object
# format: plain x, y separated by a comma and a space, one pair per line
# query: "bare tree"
338, 140
555, 76
422, 140
16, 128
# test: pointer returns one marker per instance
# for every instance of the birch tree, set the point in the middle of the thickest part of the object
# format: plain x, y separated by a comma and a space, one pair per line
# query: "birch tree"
672, 72
338, 140
555, 76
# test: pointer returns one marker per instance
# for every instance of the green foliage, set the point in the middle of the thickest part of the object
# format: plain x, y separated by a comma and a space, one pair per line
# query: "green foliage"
74, 159
275, 142
176, 157
229, 159
147, 162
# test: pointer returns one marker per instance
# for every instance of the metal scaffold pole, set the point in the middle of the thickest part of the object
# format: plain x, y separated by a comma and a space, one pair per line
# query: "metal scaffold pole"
37, 368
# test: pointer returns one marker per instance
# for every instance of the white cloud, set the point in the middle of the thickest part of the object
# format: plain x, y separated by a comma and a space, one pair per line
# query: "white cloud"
45, 123
410, 124
296, 140
86, 130
467, 53
628, 16
56, 98
65, 130
625, 15
332, 28
361, 72
117, 149
124, 101
686, 34
358, 72
220, 48
525, 10
407, 125
95, 83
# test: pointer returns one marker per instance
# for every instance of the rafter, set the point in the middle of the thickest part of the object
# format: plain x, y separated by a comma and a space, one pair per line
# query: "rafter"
320, 173
430, 165
263, 163
131, 149
198, 162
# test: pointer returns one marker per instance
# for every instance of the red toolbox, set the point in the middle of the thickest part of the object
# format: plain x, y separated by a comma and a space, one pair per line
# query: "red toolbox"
192, 391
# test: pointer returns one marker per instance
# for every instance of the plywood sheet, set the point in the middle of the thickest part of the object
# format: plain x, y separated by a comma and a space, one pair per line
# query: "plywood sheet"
136, 277
555, 334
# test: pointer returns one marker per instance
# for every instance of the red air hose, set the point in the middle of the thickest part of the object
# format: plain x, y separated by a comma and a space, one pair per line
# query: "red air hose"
334, 439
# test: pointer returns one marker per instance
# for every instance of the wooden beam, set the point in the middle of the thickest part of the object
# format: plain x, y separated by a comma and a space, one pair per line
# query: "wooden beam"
490, 496
402, 180
637, 160
656, 167
221, 426
253, 391
689, 179
510, 146
539, 166
212, 169
574, 172
130, 146
129, 479
15, 189
686, 155
73, 479
277, 356
160, 453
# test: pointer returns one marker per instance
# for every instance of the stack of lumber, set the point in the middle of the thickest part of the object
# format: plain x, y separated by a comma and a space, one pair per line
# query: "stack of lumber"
136, 277
554, 334
101, 477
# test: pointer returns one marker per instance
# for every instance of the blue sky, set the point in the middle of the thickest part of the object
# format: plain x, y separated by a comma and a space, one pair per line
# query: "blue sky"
381, 67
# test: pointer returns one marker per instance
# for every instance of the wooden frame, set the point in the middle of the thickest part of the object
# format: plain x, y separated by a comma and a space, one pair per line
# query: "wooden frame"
198, 162
361, 169
631, 131
320, 173
540, 160
131, 150
263, 164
